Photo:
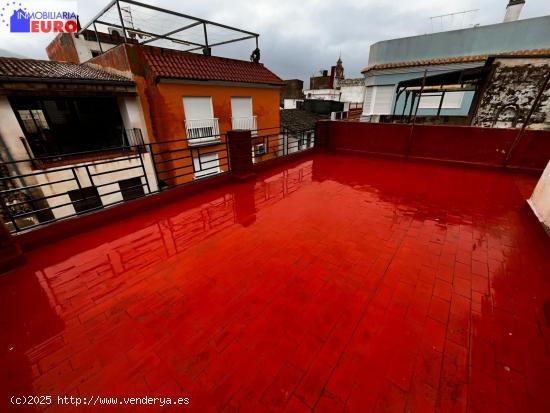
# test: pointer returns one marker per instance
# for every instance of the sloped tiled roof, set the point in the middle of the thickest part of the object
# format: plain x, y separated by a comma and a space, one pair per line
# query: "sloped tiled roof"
450, 60
12, 68
165, 63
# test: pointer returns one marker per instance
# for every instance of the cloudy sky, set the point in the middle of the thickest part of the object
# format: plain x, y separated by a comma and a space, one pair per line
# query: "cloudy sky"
301, 37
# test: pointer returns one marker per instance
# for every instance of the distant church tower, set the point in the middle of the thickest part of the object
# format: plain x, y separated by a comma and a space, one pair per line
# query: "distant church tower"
337, 73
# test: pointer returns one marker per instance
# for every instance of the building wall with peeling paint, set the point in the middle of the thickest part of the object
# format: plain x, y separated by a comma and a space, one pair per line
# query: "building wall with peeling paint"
511, 92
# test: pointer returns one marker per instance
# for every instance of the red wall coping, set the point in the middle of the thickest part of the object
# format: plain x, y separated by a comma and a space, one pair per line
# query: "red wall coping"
464, 145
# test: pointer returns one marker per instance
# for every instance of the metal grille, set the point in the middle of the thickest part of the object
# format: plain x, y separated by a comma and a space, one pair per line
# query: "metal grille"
38, 191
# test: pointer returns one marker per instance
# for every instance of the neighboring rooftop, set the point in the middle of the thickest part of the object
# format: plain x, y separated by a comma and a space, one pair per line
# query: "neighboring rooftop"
360, 81
451, 60
36, 70
481, 40
295, 120
173, 64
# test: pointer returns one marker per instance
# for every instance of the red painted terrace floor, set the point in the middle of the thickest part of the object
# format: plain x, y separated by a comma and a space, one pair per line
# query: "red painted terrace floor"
334, 284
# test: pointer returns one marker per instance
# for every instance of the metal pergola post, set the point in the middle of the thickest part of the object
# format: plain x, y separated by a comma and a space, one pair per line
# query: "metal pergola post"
440, 103
420, 94
407, 93
97, 38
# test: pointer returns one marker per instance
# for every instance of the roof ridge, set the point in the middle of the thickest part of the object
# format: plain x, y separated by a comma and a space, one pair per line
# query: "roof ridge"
452, 59
177, 64
165, 50
12, 67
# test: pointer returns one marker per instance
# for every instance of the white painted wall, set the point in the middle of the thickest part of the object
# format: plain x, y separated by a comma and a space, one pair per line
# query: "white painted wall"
132, 114
540, 199
10, 130
84, 47
322, 94
110, 180
354, 94
291, 103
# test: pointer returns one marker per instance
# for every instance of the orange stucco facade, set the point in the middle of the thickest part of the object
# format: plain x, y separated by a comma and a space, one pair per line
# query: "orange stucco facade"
169, 114
163, 109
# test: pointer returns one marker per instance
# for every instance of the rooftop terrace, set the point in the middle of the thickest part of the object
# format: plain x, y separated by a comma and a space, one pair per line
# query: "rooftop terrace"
333, 283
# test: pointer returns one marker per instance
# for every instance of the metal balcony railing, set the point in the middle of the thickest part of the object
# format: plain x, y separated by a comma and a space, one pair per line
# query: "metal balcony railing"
244, 123
202, 131
42, 153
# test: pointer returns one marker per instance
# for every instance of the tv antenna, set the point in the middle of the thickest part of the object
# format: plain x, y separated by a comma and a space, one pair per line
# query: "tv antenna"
454, 21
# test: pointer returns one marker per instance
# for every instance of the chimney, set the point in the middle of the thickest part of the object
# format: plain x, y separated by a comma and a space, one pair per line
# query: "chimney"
513, 10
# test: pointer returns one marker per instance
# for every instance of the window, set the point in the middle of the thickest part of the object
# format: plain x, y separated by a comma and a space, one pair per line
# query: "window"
85, 199
131, 188
60, 126
200, 124
241, 113
383, 98
206, 164
451, 100
259, 149
33, 120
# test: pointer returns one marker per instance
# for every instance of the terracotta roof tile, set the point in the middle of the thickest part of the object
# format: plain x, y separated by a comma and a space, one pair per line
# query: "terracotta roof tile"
449, 60
165, 63
297, 120
11, 67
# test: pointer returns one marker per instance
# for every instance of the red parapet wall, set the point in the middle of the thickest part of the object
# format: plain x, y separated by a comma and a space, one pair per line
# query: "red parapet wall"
533, 150
375, 138
456, 144
486, 146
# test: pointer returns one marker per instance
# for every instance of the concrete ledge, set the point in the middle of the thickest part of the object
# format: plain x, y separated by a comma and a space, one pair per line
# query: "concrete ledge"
537, 215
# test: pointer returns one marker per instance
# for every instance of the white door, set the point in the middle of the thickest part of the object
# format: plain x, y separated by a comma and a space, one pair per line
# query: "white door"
241, 113
198, 107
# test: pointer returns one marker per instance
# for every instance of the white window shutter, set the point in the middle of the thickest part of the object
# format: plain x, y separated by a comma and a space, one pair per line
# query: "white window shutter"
383, 99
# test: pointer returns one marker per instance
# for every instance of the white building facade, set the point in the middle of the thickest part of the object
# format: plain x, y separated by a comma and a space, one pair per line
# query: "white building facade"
392, 61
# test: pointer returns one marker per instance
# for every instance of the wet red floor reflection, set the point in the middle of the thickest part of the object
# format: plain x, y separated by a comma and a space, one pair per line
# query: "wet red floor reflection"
338, 283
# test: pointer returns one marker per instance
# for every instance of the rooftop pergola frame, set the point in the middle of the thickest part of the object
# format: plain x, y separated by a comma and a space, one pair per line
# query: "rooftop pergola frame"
147, 24
456, 81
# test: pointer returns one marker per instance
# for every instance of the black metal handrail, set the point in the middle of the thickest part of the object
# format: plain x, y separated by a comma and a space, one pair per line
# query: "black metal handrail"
281, 142
132, 140
45, 191
48, 187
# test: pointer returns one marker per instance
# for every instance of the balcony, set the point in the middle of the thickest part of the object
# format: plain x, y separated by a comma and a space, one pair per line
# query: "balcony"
202, 131
329, 281
244, 123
